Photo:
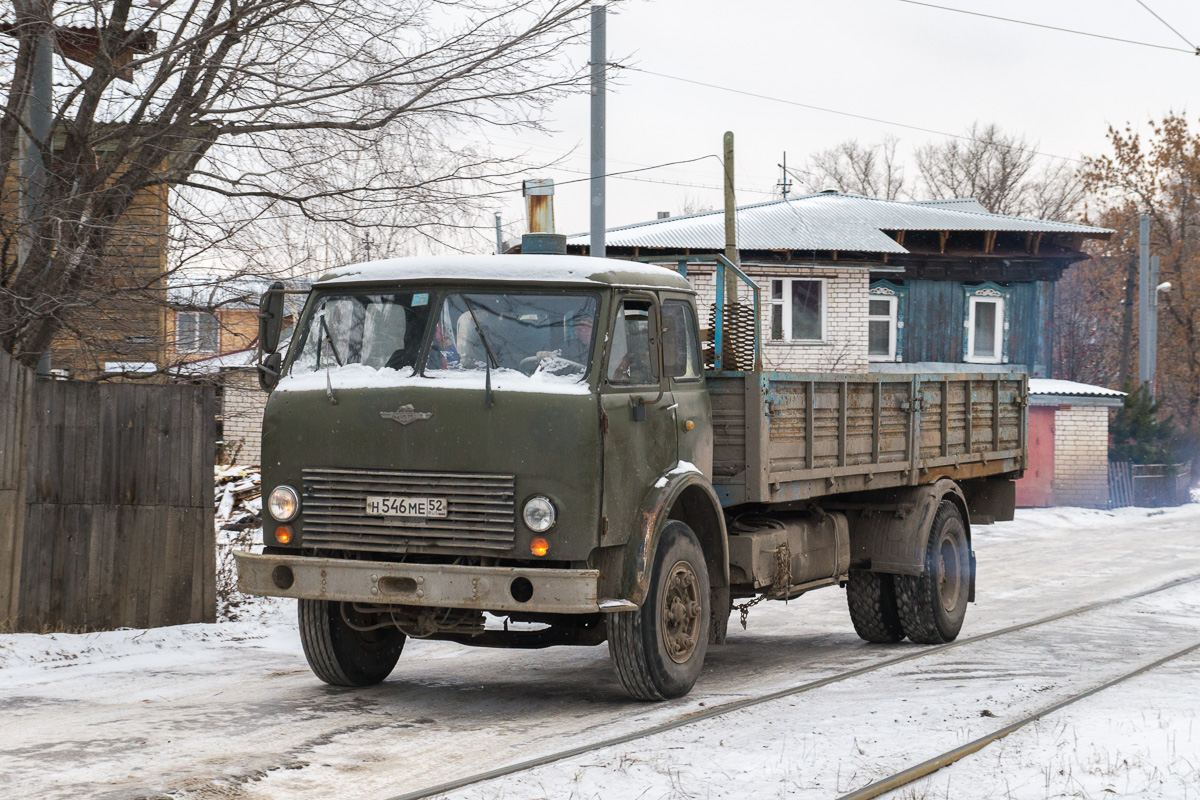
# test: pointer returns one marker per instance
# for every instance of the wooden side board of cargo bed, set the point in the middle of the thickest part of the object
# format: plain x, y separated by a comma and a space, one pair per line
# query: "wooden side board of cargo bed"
783, 436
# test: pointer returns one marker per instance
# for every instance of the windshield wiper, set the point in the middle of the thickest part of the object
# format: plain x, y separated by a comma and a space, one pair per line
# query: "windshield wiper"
328, 338
491, 357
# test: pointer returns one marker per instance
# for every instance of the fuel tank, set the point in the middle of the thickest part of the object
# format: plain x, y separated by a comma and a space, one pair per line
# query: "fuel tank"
785, 550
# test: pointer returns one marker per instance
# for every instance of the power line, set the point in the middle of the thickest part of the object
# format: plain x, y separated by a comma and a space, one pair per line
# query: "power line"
622, 175
581, 156
1193, 52
619, 176
1164, 22
850, 114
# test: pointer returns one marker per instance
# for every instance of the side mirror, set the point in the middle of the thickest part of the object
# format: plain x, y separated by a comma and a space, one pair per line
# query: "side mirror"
268, 371
270, 318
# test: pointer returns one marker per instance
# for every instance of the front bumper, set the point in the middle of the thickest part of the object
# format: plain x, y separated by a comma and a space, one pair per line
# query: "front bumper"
561, 591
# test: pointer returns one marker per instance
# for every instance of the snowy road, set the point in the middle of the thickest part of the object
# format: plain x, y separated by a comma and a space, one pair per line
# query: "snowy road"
231, 711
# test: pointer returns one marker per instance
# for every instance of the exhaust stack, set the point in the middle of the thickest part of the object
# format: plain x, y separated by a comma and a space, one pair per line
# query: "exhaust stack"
539, 209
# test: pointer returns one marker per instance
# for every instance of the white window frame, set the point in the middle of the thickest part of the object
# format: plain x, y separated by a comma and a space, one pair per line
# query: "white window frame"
785, 302
892, 319
985, 296
194, 343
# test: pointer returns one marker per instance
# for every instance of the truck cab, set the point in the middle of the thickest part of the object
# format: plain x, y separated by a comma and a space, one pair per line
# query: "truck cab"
451, 438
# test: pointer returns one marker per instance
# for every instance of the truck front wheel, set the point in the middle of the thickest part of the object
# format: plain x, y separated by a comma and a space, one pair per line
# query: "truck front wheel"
659, 649
342, 646
932, 606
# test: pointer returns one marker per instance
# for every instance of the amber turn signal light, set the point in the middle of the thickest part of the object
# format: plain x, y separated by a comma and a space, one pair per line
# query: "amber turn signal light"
539, 546
283, 534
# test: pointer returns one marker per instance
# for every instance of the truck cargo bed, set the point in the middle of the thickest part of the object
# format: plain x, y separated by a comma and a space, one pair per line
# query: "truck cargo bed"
783, 436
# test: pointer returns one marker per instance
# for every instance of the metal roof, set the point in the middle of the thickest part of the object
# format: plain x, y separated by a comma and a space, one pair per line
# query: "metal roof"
521, 269
825, 221
954, 204
1054, 386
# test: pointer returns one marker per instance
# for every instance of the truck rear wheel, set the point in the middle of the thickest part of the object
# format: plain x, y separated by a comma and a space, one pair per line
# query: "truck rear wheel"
659, 649
872, 600
339, 654
932, 606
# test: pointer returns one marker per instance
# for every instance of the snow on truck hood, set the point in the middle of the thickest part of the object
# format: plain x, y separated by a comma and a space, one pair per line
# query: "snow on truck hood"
510, 268
360, 376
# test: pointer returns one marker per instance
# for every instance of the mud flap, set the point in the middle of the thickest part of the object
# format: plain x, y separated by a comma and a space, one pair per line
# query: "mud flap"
971, 589
721, 607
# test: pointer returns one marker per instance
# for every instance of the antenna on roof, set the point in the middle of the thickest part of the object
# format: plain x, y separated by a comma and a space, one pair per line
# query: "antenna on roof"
785, 185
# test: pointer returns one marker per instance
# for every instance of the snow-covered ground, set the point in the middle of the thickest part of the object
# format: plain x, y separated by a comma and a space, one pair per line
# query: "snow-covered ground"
231, 711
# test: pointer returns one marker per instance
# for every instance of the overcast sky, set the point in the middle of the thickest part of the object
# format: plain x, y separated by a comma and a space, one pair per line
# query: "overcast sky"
880, 58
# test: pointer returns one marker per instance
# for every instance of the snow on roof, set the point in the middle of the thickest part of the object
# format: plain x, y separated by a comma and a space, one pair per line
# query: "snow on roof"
238, 359
514, 268
1043, 386
826, 221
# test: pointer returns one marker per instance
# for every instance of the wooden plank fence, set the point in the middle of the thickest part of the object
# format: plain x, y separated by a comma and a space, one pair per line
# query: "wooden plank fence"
106, 516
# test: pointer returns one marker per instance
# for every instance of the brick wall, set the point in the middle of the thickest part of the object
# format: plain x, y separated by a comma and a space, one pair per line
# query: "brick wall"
123, 312
242, 412
844, 348
237, 329
1081, 456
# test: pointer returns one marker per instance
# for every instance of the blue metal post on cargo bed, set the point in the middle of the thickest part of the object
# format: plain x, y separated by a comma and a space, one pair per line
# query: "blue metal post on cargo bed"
724, 263
719, 318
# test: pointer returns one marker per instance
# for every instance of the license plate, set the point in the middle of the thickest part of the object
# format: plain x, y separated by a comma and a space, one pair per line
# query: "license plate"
423, 507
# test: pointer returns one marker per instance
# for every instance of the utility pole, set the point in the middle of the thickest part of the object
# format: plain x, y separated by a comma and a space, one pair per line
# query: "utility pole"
1152, 350
731, 250
37, 116
599, 62
728, 355
1127, 320
33, 160
1145, 307
499, 236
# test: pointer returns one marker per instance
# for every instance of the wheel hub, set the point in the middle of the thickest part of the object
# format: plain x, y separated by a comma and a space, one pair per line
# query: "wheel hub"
949, 574
681, 612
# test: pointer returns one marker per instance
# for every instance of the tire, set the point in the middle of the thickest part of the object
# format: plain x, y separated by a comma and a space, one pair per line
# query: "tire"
932, 606
658, 650
340, 655
873, 610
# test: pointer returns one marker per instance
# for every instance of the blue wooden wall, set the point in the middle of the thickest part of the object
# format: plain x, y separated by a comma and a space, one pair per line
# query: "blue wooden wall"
936, 310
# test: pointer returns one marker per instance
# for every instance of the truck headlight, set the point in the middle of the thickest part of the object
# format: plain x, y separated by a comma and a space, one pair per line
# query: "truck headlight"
283, 503
539, 514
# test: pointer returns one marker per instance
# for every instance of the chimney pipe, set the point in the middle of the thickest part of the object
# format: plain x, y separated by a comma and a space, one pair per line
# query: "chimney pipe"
539, 209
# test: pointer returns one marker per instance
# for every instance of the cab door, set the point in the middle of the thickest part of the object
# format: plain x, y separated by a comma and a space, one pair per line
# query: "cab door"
637, 414
685, 371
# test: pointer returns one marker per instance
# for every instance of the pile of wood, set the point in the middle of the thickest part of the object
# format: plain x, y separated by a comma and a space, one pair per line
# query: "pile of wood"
238, 498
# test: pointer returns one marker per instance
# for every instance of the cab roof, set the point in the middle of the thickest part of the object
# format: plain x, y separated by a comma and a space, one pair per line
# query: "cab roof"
517, 269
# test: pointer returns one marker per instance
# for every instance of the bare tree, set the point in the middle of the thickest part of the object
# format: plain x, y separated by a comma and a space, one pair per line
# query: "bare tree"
872, 170
357, 112
1001, 171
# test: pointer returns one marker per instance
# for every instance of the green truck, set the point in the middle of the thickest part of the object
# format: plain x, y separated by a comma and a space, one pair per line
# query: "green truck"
527, 451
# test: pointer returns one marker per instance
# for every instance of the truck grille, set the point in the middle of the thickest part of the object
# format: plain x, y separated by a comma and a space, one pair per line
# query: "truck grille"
479, 511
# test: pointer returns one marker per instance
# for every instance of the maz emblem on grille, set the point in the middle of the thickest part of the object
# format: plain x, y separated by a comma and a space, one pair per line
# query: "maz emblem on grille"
405, 414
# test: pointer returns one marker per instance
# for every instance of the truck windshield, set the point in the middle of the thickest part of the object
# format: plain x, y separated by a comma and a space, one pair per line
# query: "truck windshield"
538, 334
373, 329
